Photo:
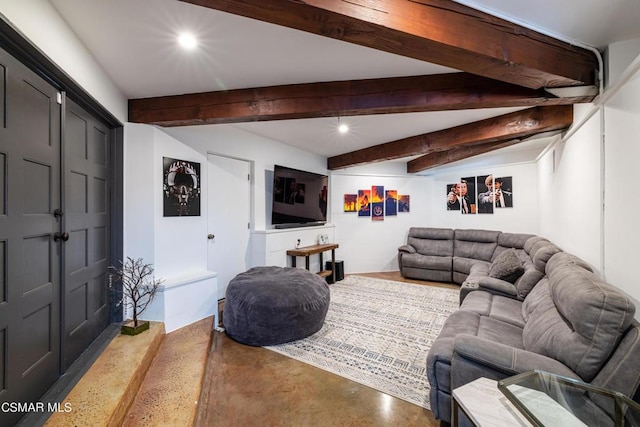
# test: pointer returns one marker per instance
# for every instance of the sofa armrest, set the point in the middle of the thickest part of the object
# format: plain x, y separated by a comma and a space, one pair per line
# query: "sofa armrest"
407, 249
494, 285
506, 359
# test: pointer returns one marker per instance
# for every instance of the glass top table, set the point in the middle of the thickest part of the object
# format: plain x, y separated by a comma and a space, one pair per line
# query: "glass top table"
550, 400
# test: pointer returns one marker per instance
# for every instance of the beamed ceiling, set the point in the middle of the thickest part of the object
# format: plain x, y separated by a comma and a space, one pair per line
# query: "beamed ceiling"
502, 64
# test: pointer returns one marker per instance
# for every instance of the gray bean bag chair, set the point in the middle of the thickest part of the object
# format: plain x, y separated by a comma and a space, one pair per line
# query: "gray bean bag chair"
274, 305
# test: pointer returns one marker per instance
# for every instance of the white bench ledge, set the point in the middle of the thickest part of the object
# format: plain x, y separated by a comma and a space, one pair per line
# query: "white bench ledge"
175, 282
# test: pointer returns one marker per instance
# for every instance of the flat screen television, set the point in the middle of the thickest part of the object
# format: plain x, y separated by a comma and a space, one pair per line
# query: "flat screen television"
299, 198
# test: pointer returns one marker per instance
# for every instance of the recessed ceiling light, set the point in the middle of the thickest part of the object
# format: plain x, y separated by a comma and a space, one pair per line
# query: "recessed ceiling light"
343, 128
187, 41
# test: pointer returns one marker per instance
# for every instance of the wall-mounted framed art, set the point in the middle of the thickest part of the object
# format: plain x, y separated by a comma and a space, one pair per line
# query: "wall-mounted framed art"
350, 202
376, 203
484, 184
453, 196
481, 194
391, 203
181, 187
404, 203
504, 192
364, 207
468, 195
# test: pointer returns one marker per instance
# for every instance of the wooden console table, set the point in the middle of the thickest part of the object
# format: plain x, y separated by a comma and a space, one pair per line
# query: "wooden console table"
307, 251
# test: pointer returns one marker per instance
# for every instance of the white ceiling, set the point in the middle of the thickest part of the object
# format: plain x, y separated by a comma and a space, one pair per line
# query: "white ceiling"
135, 42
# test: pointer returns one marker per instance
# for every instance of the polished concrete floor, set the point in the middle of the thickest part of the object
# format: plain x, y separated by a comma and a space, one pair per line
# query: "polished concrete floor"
203, 378
246, 386
169, 393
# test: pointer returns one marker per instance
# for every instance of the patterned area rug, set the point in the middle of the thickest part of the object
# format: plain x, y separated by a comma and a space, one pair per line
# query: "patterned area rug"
378, 333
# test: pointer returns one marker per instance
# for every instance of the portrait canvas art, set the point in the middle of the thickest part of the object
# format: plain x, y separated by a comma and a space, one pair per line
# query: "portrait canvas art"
377, 203
453, 196
350, 201
364, 207
180, 187
481, 194
503, 187
391, 203
484, 184
404, 203
468, 195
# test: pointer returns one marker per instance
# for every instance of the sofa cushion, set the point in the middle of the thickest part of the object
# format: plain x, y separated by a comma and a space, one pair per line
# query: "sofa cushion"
530, 243
427, 262
497, 286
432, 247
528, 280
431, 241
583, 324
466, 265
541, 253
459, 278
505, 309
538, 299
427, 274
511, 241
622, 371
478, 271
431, 233
565, 258
469, 323
476, 244
537, 252
441, 351
507, 266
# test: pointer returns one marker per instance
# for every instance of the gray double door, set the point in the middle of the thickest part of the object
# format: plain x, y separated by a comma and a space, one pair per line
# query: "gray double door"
54, 233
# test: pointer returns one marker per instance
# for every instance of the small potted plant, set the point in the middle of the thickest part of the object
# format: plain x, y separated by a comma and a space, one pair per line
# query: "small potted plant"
139, 288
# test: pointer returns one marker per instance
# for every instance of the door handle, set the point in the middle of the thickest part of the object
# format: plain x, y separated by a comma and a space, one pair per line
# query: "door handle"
210, 236
61, 236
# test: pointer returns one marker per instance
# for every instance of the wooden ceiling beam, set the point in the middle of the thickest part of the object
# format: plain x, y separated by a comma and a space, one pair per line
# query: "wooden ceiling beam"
449, 156
517, 125
437, 31
440, 92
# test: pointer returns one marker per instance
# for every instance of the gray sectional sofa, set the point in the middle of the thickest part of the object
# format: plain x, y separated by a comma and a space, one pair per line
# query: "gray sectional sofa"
465, 256
554, 315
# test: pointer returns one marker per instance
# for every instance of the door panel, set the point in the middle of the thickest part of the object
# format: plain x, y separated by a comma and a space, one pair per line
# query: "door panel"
49, 311
30, 258
76, 202
228, 218
3, 94
86, 218
3, 275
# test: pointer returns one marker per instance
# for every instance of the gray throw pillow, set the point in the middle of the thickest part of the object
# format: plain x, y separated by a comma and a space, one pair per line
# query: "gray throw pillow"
507, 266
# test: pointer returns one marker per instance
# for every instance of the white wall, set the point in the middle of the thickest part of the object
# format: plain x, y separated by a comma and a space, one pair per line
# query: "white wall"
570, 212
588, 205
175, 245
366, 245
180, 242
263, 153
139, 195
619, 56
39, 21
622, 151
